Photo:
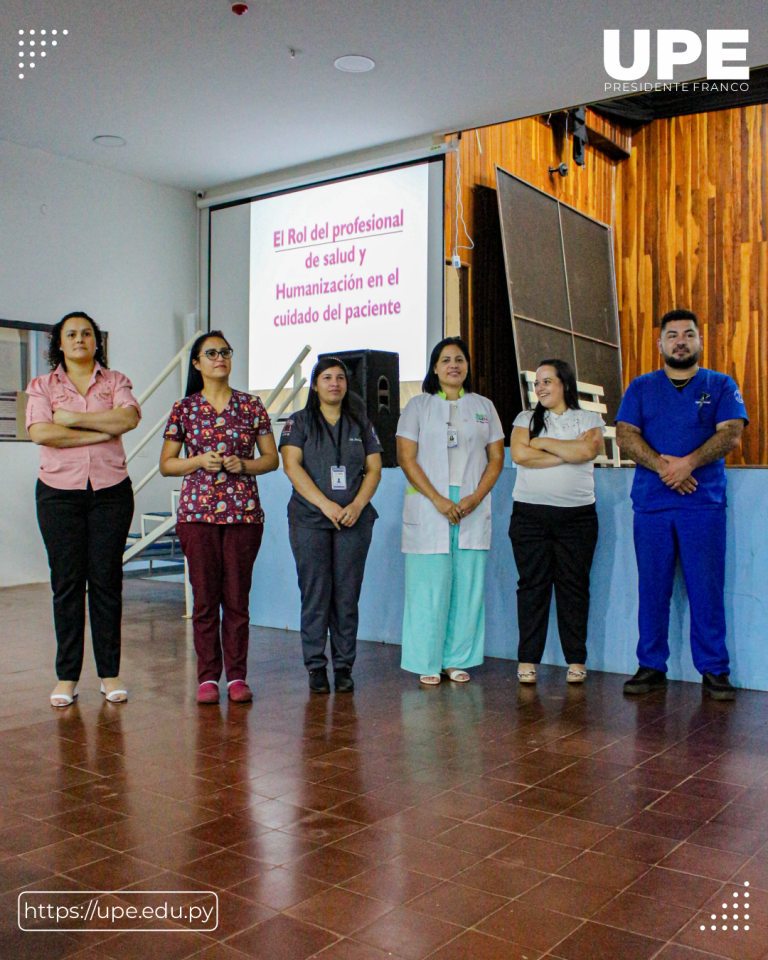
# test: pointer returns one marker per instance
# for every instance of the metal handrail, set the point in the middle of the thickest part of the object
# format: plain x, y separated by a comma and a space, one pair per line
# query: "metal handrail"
291, 371
145, 440
178, 361
293, 394
144, 481
167, 369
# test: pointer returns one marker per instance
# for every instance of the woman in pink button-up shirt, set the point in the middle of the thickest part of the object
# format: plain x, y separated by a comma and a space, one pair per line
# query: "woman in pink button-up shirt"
78, 414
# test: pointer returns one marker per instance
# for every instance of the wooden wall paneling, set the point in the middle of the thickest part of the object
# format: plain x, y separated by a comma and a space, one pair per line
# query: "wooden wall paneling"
692, 231
690, 215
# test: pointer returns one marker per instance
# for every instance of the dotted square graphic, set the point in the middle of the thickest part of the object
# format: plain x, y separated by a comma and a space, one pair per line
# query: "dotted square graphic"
740, 908
34, 45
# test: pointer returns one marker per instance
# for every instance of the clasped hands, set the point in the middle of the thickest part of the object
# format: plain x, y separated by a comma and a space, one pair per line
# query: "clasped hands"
676, 473
455, 512
341, 516
215, 462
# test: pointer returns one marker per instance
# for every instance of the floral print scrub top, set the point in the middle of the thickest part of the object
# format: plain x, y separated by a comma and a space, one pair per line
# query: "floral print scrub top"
219, 497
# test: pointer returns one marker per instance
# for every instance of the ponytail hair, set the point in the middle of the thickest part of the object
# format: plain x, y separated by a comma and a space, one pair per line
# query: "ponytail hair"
194, 377
567, 377
351, 404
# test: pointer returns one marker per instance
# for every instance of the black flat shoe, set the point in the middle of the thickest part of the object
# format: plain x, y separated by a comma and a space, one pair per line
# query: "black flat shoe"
718, 686
342, 680
645, 680
318, 681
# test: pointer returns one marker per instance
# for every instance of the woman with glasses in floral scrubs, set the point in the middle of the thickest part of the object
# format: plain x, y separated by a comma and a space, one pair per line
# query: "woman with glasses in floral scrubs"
219, 521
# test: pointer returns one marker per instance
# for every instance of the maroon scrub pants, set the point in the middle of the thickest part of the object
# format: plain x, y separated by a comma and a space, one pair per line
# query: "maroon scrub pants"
220, 558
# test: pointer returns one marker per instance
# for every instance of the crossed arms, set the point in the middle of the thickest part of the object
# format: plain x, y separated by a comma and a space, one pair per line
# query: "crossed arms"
550, 452
73, 429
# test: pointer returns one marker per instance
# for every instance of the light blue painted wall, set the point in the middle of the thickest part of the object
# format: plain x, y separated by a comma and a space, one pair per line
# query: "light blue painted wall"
613, 614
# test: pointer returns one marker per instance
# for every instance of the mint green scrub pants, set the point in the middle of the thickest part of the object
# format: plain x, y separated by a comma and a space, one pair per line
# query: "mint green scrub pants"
444, 618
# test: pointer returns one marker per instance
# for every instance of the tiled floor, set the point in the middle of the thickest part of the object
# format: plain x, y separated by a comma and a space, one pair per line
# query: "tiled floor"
465, 822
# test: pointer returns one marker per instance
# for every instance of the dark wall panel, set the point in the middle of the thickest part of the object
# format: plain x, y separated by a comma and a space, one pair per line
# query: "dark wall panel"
545, 242
492, 346
589, 268
536, 343
600, 364
531, 230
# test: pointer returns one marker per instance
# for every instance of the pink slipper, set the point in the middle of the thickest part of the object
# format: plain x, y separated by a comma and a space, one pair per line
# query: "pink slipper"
208, 692
239, 691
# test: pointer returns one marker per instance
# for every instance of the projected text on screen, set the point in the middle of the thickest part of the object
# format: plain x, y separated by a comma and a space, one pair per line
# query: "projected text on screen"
341, 266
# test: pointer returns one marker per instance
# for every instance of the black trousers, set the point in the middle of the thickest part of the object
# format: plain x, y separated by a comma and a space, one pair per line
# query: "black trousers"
84, 533
553, 545
330, 565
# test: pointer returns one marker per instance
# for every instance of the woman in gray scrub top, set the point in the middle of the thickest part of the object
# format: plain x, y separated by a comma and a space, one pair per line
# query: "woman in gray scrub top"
332, 456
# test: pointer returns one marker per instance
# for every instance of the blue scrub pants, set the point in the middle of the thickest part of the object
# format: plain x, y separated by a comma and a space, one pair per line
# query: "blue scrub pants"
444, 616
698, 536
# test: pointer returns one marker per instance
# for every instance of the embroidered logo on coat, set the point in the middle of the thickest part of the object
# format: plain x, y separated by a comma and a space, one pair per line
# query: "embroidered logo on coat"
481, 417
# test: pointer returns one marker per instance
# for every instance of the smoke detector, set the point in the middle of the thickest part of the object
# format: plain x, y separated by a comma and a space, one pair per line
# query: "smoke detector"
353, 63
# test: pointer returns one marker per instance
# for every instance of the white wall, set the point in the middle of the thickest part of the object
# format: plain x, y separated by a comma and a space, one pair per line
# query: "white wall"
75, 236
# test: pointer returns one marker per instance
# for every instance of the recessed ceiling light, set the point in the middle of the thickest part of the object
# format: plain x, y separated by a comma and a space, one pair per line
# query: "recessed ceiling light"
107, 140
354, 64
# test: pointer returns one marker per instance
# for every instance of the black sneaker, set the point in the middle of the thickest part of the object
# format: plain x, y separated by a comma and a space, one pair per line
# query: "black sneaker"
645, 680
343, 681
718, 686
318, 681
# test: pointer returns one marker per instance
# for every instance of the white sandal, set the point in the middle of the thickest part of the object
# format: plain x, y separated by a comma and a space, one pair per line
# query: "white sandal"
576, 674
115, 695
432, 679
65, 699
455, 674
527, 676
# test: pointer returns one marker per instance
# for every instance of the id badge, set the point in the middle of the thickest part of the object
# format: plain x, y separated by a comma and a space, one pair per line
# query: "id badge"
453, 437
338, 478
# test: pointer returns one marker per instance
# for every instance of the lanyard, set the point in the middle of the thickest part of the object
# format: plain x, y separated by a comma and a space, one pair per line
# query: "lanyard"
334, 440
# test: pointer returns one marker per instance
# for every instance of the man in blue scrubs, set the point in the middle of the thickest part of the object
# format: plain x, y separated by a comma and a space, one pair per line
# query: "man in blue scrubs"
678, 424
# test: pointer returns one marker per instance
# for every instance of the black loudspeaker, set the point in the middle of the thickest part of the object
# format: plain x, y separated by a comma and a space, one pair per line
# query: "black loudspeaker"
375, 376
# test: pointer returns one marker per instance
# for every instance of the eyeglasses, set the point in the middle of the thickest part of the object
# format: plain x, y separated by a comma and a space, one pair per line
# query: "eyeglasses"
225, 353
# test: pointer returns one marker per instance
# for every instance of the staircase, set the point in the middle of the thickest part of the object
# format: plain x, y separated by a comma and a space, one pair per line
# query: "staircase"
158, 543
161, 540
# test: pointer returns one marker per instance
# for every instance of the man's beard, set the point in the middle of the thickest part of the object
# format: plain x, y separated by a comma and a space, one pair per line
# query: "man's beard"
682, 363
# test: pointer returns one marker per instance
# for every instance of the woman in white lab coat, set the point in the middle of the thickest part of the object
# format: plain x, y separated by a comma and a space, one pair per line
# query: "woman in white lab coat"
450, 444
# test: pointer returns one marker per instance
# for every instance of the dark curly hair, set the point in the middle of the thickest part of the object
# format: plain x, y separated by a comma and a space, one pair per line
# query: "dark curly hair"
56, 354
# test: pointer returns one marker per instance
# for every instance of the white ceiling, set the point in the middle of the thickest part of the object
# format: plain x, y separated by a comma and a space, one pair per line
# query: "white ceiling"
204, 97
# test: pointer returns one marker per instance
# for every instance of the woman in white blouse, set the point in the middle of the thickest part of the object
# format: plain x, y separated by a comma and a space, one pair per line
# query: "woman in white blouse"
554, 521
450, 444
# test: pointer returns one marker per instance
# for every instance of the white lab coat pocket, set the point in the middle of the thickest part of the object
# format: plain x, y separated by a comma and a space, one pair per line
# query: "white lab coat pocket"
412, 507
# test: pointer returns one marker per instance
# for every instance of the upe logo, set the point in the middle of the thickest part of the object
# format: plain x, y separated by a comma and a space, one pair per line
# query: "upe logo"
675, 48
